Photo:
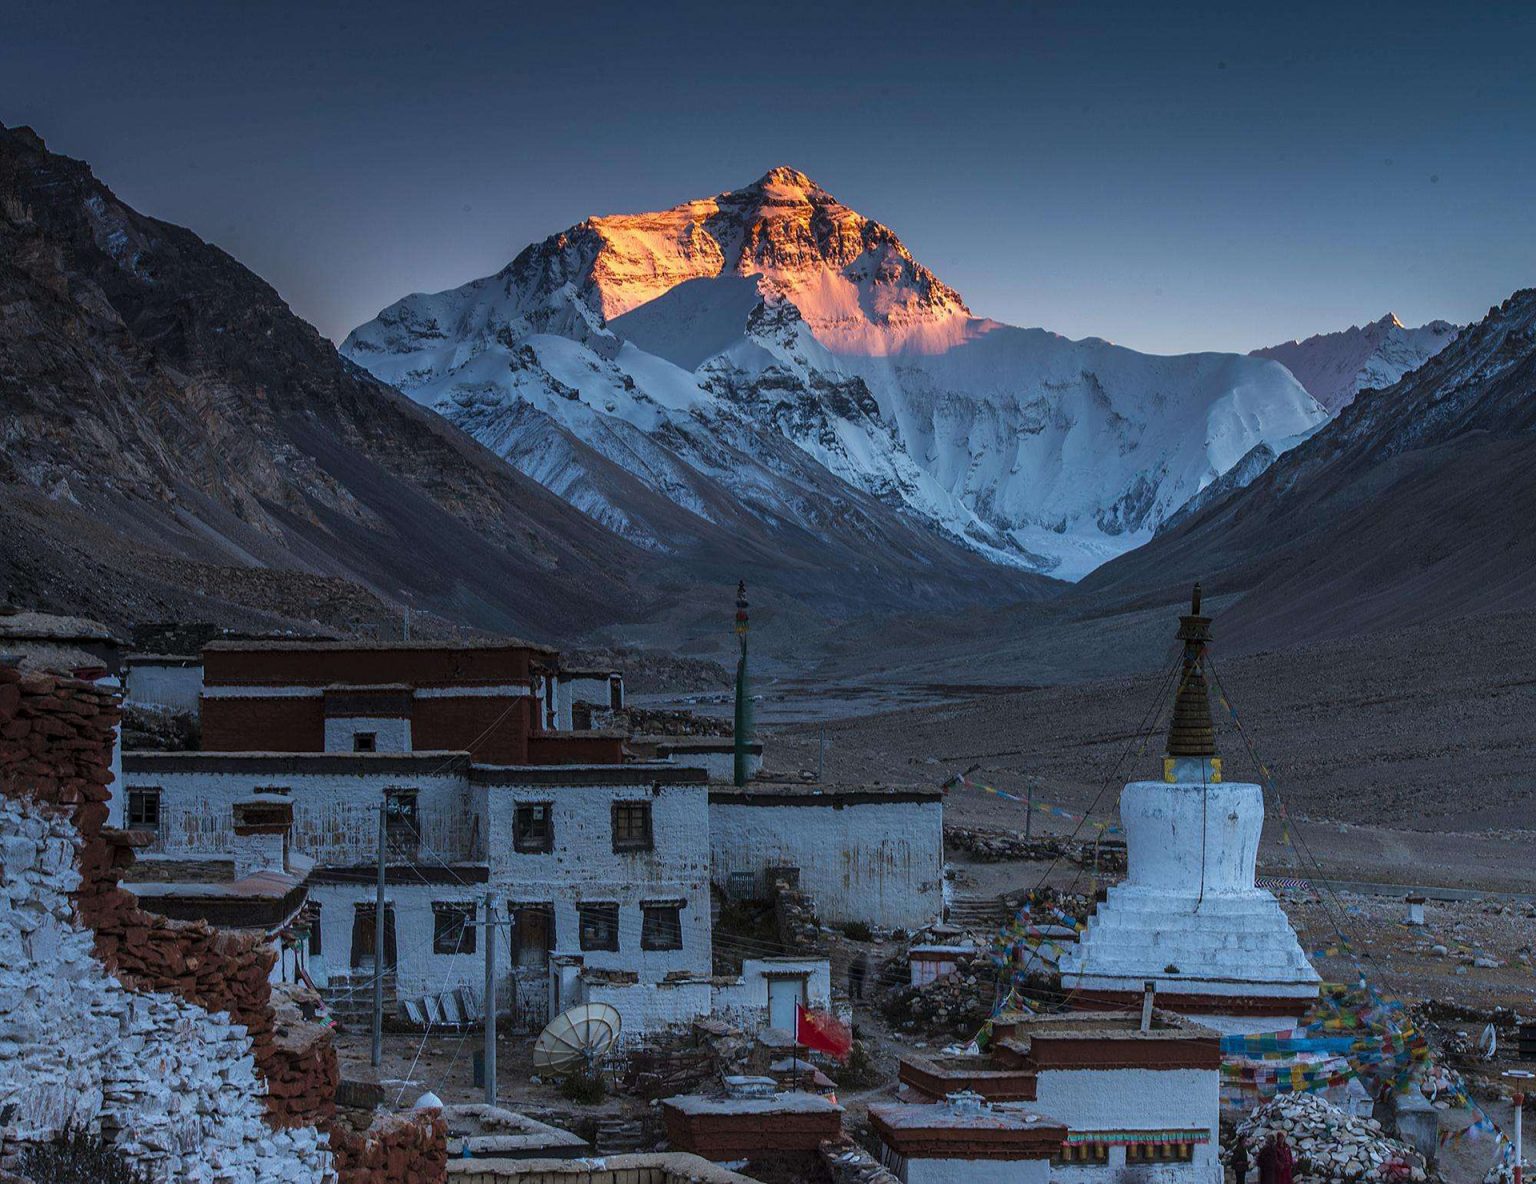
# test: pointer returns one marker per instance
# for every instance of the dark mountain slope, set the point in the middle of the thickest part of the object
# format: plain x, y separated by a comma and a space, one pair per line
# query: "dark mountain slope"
153, 385
1414, 505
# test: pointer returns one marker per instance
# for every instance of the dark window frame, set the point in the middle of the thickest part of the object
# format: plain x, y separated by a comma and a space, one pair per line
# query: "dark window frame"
535, 845
137, 796
453, 927
363, 921
609, 913
402, 826
672, 936
365, 742
645, 841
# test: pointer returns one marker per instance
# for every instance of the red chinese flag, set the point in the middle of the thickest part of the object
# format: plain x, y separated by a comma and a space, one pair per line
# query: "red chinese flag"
822, 1031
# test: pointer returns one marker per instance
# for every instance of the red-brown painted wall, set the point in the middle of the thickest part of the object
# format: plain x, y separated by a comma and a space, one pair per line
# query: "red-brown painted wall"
493, 730
417, 667
550, 749
264, 725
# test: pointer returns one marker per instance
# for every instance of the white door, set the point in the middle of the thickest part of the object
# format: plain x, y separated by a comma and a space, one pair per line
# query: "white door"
783, 994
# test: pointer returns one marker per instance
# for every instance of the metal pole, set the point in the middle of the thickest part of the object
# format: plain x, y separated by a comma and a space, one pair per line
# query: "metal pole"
821, 753
378, 950
490, 1000
1029, 807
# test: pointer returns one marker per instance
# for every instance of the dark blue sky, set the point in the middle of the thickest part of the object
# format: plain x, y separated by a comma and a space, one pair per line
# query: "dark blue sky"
1172, 177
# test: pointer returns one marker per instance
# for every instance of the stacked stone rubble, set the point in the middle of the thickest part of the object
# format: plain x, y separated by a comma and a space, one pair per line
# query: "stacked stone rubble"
405, 1148
161, 1033
1330, 1144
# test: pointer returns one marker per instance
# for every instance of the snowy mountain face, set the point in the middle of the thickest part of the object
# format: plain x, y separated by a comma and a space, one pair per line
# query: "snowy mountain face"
1335, 367
763, 351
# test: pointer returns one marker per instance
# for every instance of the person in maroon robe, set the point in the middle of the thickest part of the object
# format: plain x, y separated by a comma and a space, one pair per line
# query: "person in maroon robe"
1276, 1163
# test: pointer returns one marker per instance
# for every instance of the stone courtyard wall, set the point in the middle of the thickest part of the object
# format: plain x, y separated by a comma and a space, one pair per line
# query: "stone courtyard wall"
162, 1034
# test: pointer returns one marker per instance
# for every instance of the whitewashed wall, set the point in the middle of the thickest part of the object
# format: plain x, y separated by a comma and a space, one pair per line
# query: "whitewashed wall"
76, 1048
1139, 1099
418, 969
584, 868
390, 735
174, 687
335, 814
873, 861
982, 1171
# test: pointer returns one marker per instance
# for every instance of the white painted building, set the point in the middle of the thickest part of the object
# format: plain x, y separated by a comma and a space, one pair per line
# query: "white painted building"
599, 876
1074, 1098
169, 682
867, 854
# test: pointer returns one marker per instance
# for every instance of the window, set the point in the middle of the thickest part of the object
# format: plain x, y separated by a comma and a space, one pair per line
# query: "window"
401, 824
533, 935
533, 827
453, 927
1159, 1153
1091, 1154
615, 693
661, 925
282, 790
599, 926
632, 826
312, 915
365, 741
143, 809
363, 938
741, 886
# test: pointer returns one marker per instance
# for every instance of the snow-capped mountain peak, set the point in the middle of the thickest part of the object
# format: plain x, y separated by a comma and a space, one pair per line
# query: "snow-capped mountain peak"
1335, 367
691, 346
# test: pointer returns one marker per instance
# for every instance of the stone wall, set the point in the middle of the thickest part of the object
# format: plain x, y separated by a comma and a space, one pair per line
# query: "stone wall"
406, 1148
163, 1034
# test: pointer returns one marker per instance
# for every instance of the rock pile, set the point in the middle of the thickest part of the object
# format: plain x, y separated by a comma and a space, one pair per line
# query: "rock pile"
988, 846
795, 916
1329, 1144
955, 1005
1503, 1172
410, 1147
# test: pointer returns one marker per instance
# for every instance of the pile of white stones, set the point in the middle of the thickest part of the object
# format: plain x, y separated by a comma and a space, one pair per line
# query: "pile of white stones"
174, 1086
1503, 1172
1328, 1143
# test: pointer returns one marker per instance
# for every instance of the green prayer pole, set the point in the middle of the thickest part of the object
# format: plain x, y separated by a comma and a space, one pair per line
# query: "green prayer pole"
743, 736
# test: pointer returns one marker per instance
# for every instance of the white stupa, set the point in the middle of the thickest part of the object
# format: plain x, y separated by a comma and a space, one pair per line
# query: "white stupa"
1188, 916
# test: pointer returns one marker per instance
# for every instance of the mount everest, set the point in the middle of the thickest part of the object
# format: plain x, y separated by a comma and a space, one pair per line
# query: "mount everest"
770, 355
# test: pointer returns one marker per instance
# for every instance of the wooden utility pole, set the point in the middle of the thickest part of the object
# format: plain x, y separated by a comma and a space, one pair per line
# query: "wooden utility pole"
1029, 807
490, 1000
378, 948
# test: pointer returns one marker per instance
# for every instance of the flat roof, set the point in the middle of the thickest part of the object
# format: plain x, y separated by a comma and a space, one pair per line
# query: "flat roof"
799, 793
53, 626
1101, 1025
301, 646
790, 1102
926, 1116
194, 761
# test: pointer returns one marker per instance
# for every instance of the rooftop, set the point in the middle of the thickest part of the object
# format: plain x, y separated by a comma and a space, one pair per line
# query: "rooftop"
28, 624
1102, 1025
790, 1102
299, 645
948, 1114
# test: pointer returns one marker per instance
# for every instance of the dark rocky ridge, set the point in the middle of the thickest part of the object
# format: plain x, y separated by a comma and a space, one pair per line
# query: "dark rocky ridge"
172, 429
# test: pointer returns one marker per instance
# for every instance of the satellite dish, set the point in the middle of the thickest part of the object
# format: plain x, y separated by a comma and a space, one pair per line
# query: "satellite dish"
577, 1039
